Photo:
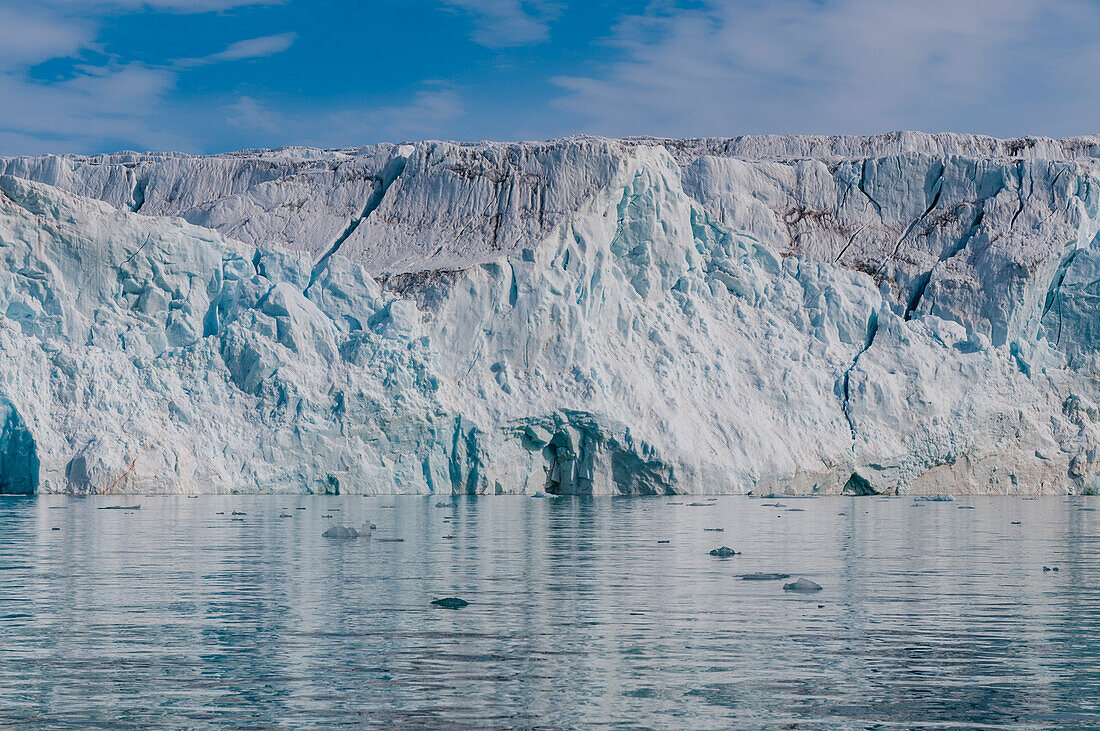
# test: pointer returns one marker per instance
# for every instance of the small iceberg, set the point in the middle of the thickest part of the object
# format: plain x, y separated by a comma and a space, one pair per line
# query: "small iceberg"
802, 585
762, 576
340, 531
934, 499
724, 552
120, 507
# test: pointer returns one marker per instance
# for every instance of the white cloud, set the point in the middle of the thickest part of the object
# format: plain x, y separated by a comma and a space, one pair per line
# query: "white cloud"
683, 67
29, 37
508, 23
740, 66
251, 114
427, 113
242, 50
107, 103
256, 47
111, 101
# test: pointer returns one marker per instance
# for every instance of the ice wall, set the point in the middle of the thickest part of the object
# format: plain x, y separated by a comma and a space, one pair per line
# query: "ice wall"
904, 313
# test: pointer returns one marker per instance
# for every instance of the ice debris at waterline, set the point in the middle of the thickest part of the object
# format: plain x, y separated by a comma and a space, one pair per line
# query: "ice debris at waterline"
340, 531
903, 313
761, 576
802, 585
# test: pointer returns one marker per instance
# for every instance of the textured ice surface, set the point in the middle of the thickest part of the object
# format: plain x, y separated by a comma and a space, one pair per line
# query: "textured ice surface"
903, 313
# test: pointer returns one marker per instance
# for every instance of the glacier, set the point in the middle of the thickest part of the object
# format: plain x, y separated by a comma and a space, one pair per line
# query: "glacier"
896, 314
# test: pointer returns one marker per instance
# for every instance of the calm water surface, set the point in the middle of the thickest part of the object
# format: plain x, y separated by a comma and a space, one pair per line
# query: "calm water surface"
174, 616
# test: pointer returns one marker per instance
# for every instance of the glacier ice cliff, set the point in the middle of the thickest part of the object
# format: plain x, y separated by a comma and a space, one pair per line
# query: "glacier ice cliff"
903, 313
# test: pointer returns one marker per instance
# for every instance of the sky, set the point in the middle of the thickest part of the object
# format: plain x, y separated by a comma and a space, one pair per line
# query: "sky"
206, 76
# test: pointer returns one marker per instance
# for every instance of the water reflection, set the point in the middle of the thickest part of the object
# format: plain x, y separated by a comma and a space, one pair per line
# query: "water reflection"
176, 616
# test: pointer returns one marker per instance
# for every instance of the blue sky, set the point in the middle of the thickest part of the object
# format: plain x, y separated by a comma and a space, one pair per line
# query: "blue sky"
212, 75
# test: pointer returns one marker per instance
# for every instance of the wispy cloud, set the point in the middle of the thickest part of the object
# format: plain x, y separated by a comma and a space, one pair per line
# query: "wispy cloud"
735, 66
508, 23
113, 102
427, 113
70, 81
106, 101
173, 6
247, 49
29, 36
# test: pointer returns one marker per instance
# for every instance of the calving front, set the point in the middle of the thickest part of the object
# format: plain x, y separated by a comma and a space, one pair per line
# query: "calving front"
903, 313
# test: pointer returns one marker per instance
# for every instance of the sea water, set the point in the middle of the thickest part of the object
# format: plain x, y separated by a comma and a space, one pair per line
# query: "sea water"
582, 612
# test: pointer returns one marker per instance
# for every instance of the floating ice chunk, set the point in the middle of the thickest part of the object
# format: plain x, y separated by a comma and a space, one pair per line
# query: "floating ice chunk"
340, 531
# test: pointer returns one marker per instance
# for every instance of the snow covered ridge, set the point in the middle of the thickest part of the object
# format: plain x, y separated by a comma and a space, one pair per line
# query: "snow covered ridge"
902, 313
